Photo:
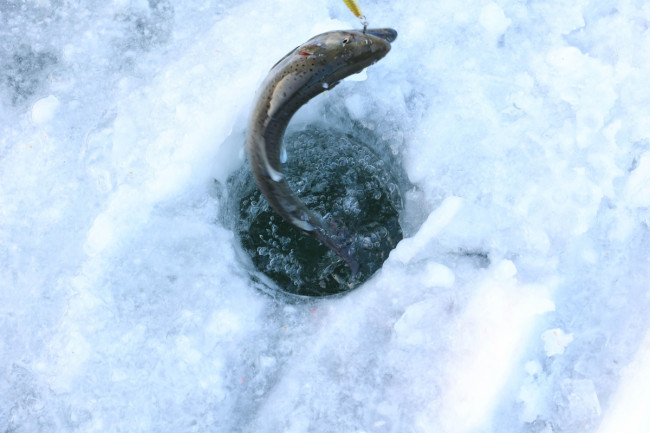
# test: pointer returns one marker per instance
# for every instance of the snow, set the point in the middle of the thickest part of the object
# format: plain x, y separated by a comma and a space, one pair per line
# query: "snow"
44, 109
555, 341
628, 413
519, 299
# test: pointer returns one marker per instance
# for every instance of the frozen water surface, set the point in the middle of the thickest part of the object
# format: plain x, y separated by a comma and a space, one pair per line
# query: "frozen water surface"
518, 301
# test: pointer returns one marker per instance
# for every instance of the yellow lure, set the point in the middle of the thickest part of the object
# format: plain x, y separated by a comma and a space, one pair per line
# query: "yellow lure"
354, 7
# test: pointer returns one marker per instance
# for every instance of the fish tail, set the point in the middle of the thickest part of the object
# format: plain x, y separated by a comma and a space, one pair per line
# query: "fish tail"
338, 241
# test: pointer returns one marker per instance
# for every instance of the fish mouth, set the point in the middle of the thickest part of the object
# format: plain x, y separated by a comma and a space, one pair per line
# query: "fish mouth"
387, 34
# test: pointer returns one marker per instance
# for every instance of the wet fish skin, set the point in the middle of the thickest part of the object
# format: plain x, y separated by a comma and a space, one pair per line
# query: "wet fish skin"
318, 64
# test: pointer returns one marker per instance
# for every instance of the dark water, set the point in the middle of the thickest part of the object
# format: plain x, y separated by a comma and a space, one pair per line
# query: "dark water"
350, 179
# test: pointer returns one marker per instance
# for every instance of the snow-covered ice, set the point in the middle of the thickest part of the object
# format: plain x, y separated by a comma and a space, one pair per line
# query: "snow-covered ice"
519, 300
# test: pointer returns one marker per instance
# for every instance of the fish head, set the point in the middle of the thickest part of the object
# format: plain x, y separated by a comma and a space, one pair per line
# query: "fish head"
345, 52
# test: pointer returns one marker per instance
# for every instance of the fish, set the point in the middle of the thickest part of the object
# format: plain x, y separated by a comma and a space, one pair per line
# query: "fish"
306, 71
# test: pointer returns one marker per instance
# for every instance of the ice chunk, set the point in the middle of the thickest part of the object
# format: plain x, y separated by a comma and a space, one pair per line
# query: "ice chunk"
438, 275
411, 327
583, 400
555, 341
44, 109
436, 221
493, 19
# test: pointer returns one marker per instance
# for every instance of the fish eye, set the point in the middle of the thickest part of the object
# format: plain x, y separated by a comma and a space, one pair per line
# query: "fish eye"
348, 39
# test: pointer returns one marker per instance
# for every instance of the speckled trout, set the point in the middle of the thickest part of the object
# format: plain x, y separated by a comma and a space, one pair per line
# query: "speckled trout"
318, 64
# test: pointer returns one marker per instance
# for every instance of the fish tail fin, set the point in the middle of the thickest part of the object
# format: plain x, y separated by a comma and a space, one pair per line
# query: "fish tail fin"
336, 238
345, 251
